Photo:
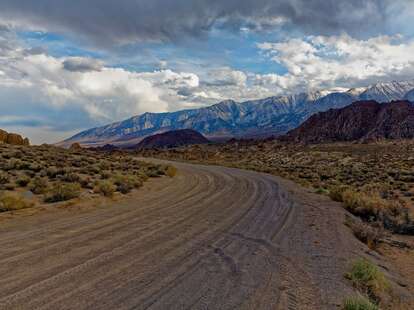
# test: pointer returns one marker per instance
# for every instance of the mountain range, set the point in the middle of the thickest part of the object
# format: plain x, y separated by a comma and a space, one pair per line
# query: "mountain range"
249, 119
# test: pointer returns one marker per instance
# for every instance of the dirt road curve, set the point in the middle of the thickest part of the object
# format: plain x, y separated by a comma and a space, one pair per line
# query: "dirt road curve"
210, 238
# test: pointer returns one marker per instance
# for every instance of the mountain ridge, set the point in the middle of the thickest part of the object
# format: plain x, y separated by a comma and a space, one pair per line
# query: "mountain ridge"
361, 121
227, 119
171, 139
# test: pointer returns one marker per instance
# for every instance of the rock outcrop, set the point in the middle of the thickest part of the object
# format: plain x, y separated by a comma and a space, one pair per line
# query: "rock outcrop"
13, 138
75, 147
361, 121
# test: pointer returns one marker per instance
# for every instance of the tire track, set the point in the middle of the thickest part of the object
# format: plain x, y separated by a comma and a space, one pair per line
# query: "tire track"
212, 238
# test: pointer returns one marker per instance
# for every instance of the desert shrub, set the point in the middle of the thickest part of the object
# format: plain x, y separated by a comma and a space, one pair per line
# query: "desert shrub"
358, 303
39, 185
142, 176
371, 207
4, 178
155, 171
368, 279
12, 202
62, 192
336, 192
371, 235
10, 186
52, 172
35, 167
171, 171
126, 183
86, 182
70, 177
106, 174
105, 187
13, 164
22, 181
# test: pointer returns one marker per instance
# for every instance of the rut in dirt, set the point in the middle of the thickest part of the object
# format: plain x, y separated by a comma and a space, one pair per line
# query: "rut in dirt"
211, 238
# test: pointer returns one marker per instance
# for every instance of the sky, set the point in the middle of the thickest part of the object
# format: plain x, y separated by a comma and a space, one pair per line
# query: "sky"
66, 66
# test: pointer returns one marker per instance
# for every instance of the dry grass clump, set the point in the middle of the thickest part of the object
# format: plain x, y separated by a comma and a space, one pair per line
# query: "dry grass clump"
369, 280
13, 202
171, 171
39, 185
126, 183
105, 187
55, 174
22, 181
62, 192
372, 208
359, 303
371, 235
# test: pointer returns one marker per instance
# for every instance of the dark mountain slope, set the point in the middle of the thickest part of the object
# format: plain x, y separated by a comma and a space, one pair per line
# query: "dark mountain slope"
360, 121
172, 139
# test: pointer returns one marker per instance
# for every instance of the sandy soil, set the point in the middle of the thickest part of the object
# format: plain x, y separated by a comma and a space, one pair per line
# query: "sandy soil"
210, 238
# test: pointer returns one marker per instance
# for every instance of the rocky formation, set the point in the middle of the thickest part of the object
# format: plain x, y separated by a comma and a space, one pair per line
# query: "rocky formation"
361, 121
75, 147
13, 138
229, 119
172, 139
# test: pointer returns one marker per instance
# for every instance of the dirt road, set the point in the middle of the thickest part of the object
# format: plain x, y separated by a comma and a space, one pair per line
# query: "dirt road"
210, 238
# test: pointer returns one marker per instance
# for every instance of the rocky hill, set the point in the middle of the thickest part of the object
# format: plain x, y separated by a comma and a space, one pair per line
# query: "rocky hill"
172, 139
410, 96
12, 138
360, 121
228, 119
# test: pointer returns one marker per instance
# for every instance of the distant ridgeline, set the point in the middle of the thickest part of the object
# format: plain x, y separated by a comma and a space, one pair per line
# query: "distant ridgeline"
12, 138
262, 118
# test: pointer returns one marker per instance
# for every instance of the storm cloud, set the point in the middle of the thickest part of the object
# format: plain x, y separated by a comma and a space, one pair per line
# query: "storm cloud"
108, 22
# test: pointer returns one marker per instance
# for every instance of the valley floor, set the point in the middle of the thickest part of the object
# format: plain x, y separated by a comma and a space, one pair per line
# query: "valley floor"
210, 238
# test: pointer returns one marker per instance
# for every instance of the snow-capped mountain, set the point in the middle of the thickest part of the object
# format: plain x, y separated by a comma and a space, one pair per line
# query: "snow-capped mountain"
256, 118
386, 92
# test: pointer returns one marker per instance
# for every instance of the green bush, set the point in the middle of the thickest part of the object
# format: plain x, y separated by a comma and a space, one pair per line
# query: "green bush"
359, 303
105, 187
12, 202
62, 192
368, 279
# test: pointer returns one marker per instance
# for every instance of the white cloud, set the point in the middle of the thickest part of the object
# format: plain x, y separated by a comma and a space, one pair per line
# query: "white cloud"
41, 93
324, 62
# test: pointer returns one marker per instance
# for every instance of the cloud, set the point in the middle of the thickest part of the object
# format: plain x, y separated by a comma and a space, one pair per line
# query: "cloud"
81, 64
226, 77
61, 94
332, 61
108, 22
